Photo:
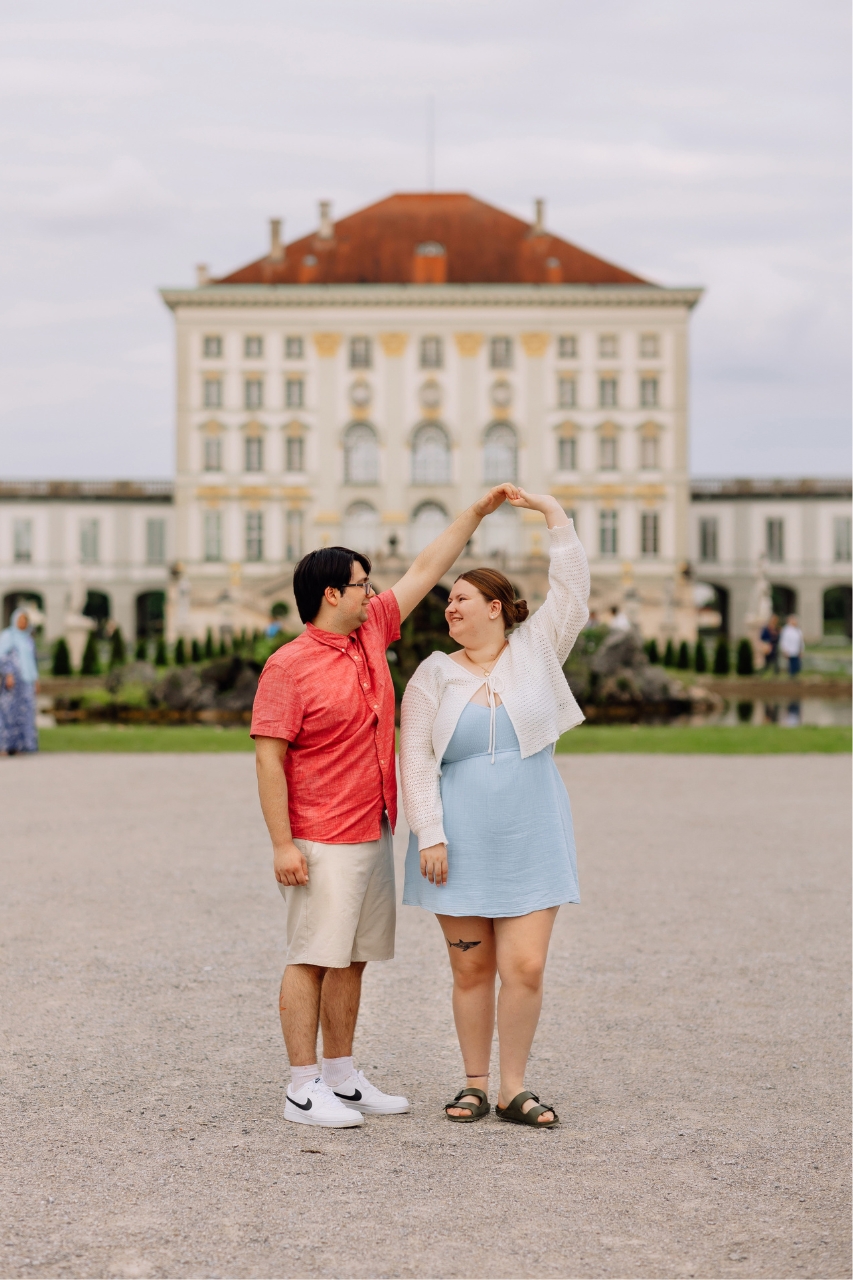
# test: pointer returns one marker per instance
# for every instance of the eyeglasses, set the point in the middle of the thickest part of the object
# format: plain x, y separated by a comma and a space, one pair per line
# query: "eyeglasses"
367, 586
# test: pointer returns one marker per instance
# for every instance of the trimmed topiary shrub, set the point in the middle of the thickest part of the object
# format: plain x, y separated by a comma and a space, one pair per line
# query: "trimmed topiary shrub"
745, 665
223, 648
208, 644
683, 662
652, 650
196, 651
721, 657
140, 653
180, 653
161, 657
91, 664
669, 654
61, 665
700, 661
118, 653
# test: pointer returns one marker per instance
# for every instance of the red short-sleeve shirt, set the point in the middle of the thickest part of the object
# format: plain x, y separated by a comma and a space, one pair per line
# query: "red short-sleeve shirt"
331, 697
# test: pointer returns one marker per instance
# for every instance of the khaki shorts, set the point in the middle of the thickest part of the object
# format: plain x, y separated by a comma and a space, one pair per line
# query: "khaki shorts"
348, 909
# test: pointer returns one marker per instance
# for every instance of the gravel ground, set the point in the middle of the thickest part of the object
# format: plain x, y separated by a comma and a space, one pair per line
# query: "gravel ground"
694, 1040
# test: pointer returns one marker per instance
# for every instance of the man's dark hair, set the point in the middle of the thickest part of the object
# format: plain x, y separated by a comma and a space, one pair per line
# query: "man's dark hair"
328, 567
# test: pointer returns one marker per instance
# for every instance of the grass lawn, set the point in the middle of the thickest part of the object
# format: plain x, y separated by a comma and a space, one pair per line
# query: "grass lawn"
665, 739
713, 739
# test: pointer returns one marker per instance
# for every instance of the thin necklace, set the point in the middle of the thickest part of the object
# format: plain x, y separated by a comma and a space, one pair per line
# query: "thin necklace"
494, 660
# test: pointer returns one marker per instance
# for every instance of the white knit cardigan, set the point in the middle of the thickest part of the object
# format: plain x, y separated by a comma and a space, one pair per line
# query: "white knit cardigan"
528, 676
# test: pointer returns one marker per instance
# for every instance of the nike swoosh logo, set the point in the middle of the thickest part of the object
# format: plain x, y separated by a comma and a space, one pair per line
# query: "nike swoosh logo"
349, 1097
303, 1106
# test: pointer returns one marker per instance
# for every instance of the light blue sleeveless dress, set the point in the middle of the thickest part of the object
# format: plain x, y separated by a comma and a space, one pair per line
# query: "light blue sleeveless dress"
510, 842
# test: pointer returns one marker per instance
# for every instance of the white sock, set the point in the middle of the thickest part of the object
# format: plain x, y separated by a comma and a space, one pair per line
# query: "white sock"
336, 1071
301, 1075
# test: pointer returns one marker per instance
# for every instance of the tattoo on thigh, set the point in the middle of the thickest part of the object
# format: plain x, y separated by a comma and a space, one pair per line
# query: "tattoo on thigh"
464, 946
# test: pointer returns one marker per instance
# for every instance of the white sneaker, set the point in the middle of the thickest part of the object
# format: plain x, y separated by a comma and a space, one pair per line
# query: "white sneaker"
315, 1103
360, 1093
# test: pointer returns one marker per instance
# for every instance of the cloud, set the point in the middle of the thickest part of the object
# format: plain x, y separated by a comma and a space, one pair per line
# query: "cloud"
54, 78
127, 188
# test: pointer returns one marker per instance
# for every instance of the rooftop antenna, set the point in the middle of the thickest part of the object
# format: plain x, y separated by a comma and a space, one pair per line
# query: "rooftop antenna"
430, 142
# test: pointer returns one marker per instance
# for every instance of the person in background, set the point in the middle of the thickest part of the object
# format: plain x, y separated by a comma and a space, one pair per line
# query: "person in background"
273, 629
18, 686
592, 621
619, 620
770, 644
792, 645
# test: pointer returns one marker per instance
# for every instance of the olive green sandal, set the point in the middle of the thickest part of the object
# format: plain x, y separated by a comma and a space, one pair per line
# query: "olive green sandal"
515, 1115
477, 1112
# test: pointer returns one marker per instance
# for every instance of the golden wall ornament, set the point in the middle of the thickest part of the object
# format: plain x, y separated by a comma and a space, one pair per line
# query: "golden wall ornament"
535, 344
327, 344
393, 344
468, 344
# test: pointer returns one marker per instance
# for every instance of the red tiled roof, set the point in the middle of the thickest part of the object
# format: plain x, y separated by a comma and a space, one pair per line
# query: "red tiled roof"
483, 245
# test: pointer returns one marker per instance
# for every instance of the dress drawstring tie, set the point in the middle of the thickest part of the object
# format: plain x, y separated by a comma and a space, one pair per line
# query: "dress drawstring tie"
494, 685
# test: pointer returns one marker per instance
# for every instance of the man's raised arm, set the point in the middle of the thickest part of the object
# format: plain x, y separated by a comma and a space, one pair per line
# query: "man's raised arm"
434, 561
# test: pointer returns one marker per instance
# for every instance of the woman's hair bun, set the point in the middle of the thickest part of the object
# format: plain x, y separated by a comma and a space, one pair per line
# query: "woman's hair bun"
521, 610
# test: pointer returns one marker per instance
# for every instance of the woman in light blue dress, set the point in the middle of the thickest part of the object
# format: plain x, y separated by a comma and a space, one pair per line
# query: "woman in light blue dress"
18, 686
492, 850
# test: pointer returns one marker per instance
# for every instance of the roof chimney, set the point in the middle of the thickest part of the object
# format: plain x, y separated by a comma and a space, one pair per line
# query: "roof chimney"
327, 227
276, 246
539, 219
202, 274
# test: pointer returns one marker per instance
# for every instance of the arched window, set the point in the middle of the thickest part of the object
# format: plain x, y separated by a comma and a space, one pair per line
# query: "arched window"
361, 454
361, 528
500, 455
499, 533
428, 521
431, 455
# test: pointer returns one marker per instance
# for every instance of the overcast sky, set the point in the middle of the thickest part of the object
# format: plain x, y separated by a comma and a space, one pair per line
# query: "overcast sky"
692, 141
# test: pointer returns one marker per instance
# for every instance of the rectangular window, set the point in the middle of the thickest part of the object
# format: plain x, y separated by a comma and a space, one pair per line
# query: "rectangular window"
567, 393
22, 544
212, 453
708, 540
155, 541
294, 393
649, 346
500, 353
253, 393
254, 535
567, 346
608, 392
649, 533
360, 353
212, 346
607, 453
254, 453
294, 348
567, 451
608, 346
294, 453
432, 353
213, 535
212, 393
648, 392
841, 539
89, 539
253, 347
294, 535
608, 533
775, 540
649, 453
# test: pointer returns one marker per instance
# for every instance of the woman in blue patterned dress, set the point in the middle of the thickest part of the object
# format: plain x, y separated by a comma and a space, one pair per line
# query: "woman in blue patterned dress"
18, 686
492, 850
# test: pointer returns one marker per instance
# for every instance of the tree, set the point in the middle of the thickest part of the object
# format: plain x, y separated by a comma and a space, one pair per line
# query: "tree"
61, 658
118, 652
683, 662
208, 644
652, 650
161, 657
700, 661
196, 651
91, 665
180, 653
745, 665
721, 657
140, 653
223, 648
669, 654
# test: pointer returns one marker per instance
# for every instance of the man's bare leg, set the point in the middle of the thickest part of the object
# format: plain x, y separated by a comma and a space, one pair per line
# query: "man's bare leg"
299, 1008
339, 1004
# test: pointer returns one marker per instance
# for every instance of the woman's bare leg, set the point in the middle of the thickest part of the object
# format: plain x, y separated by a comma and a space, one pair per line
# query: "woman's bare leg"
471, 947
521, 945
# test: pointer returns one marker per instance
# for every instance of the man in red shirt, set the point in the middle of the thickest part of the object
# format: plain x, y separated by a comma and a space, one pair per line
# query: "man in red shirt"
323, 724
